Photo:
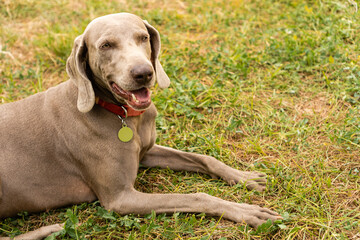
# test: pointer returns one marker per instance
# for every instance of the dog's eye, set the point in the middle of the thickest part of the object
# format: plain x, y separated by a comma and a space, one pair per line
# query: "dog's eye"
144, 38
105, 45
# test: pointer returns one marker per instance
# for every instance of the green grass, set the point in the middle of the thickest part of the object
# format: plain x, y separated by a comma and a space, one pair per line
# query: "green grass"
271, 86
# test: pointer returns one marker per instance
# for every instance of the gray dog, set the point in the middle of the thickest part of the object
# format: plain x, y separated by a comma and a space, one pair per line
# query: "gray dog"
85, 138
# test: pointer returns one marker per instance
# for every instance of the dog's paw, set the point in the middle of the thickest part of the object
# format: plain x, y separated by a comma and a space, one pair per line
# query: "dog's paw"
254, 215
252, 180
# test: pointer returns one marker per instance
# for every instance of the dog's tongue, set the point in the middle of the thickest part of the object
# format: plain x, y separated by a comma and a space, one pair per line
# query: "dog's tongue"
142, 95
140, 99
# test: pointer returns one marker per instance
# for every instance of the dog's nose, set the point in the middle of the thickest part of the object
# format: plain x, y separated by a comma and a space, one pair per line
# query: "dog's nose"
142, 73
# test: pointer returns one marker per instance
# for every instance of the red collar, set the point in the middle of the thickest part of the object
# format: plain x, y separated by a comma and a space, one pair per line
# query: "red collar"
118, 110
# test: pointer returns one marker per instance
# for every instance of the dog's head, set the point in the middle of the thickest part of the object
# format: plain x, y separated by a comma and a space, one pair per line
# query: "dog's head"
117, 54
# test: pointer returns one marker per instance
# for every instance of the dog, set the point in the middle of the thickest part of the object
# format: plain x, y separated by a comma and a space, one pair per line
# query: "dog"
84, 139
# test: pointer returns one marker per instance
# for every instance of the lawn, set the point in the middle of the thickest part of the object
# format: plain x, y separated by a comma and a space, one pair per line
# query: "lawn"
264, 85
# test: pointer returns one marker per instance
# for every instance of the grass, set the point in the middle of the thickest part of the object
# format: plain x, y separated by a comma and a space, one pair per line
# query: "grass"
271, 86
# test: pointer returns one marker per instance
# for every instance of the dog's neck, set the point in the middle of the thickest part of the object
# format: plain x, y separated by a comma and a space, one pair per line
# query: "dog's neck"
124, 110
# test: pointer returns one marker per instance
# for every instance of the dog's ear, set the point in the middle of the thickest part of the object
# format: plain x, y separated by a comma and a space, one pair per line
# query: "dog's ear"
76, 69
162, 79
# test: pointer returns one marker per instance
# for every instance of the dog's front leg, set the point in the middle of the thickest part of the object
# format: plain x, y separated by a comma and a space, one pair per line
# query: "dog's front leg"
164, 157
114, 181
132, 201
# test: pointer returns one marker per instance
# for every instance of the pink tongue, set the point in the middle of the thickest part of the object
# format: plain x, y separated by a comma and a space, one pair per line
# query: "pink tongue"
142, 94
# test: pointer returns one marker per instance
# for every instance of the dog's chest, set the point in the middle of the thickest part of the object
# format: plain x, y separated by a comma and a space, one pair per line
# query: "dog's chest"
142, 128
146, 131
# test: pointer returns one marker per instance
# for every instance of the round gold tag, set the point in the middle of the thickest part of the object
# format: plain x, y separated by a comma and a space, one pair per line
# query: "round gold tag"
125, 134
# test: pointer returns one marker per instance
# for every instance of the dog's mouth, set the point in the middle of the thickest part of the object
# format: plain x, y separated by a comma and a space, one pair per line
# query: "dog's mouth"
139, 99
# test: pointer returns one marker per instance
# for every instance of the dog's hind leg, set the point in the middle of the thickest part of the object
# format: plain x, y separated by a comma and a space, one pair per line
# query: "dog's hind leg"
40, 233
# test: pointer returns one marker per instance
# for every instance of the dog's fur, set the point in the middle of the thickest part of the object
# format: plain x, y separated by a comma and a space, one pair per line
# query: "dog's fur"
60, 148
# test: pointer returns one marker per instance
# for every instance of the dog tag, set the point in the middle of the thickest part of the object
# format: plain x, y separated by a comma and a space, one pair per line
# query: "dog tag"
125, 134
